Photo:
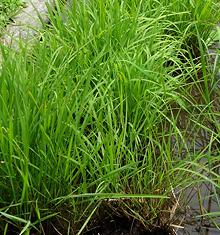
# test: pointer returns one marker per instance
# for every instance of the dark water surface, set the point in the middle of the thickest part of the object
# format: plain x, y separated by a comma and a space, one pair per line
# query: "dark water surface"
191, 230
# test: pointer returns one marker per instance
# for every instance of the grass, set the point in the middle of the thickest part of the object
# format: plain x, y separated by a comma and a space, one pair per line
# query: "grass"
7, 10
105, 112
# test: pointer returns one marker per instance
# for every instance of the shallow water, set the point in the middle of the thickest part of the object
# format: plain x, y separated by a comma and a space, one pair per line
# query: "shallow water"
191, 230
201, 201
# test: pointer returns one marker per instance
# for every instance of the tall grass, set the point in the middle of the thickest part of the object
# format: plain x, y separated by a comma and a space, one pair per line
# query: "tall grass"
90, 115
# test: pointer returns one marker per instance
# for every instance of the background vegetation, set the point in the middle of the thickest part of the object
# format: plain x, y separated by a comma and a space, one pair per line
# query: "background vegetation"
7, 9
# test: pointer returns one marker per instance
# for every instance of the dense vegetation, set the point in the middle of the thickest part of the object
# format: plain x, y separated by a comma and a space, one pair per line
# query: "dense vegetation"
106, 111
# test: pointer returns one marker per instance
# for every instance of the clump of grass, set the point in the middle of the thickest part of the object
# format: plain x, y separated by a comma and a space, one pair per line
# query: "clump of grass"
88, 115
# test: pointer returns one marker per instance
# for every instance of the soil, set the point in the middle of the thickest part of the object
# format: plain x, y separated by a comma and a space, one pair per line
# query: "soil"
122, 226
113, 227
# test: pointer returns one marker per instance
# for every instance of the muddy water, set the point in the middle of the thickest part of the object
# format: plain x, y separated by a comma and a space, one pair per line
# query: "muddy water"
194, 224
201, 199
191, 230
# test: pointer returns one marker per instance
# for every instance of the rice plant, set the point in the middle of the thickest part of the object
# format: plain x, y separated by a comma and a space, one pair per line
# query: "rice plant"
104, 113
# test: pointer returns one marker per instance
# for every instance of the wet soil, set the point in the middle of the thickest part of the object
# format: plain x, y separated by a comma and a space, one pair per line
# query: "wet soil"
115, 225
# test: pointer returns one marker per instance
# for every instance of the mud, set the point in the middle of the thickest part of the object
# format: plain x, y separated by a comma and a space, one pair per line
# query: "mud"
122, 226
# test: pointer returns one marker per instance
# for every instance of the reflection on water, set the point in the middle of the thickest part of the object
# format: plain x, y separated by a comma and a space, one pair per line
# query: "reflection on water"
202, 199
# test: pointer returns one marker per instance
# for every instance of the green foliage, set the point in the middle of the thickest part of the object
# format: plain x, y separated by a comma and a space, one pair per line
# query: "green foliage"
93, 112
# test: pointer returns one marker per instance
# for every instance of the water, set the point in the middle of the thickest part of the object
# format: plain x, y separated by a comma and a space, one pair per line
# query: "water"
191, 230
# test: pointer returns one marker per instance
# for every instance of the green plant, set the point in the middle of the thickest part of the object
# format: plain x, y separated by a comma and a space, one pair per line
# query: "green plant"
91, 115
